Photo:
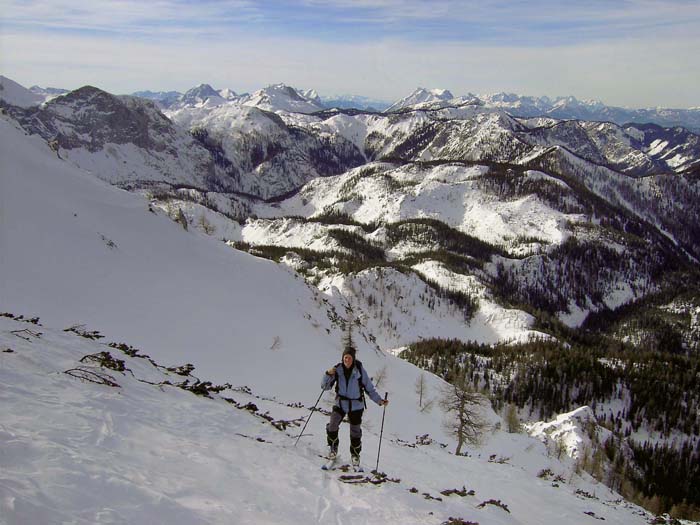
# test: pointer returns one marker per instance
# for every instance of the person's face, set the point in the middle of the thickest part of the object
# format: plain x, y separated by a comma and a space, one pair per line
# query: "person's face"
347, 360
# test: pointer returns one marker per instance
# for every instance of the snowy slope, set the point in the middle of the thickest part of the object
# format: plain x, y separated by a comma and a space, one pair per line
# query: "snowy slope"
449, 193
400, 309
572, 430
452, 194
76, 250
16, 95
145, 451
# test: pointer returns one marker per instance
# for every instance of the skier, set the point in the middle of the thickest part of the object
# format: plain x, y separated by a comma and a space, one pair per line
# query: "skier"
351, 381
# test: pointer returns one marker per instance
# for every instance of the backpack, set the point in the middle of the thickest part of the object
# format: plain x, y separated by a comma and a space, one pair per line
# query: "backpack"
358, 365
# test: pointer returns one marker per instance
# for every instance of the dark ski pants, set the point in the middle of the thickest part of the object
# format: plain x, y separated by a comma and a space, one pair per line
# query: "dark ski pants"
355, 418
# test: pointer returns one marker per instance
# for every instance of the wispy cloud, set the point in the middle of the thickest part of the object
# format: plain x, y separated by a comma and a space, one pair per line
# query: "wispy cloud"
492, 21
626, 52
130, 17
504, 22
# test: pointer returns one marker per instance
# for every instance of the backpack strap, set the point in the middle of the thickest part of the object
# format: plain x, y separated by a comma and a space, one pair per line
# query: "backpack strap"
358, 365
337, 379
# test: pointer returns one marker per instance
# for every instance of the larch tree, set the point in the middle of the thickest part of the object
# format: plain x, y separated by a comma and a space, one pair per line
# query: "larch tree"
463, 405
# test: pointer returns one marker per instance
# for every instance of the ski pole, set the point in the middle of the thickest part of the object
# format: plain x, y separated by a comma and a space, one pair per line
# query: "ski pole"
376, 469
309, 418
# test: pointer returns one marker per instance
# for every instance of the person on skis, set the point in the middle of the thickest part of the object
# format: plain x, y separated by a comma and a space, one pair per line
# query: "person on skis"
351, 381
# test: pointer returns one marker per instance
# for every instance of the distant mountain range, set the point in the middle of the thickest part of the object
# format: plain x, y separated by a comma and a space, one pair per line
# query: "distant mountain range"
561, 108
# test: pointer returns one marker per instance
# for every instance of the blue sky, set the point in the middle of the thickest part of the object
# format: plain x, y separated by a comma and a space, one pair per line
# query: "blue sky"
631, 52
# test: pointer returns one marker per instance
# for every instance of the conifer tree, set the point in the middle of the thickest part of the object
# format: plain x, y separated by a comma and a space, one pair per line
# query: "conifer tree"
348, 341
512, 421
421, 388
462, 403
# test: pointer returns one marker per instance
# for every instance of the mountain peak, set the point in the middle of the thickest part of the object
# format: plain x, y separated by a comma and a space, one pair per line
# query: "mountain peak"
282, 89
421, 96
200, 93
281, 97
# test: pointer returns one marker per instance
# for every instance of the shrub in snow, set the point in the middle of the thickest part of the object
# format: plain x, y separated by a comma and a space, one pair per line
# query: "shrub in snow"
33, 320
204, 388
495, 503
545, 473
80, 330
85, 374
184, 370
463, 493
105, 360
458, 521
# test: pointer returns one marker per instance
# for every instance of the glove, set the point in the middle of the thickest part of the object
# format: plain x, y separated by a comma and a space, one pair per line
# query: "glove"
330, 371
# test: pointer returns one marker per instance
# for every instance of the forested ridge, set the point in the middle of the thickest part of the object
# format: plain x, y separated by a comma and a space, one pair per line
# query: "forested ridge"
656, 396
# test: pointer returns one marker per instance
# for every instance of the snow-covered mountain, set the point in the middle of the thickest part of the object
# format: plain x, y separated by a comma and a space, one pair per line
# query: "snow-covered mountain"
273, 98
280, 97
421, 96
521, 224
233, 148
14, 94
567, 107
355, 102
117, 434
49, 92
164, 99
123, 140
200, 95
265, 154
443, 221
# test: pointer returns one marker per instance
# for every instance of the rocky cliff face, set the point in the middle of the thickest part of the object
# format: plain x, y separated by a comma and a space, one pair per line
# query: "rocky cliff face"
124, 140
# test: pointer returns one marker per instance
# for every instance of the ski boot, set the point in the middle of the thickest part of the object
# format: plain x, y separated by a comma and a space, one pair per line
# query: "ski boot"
355, 461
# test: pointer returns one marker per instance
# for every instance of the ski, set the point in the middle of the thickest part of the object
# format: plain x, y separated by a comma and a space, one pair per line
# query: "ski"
353, 479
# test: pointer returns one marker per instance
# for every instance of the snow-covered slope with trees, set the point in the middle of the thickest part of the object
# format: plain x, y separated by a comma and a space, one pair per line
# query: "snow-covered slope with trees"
535, 255
111, 437
261, 153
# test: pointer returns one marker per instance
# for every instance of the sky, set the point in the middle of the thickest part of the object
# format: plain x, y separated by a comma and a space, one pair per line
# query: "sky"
633, 53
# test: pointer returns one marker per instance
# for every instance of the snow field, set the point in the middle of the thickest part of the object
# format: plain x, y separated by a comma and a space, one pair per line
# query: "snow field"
80, 452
